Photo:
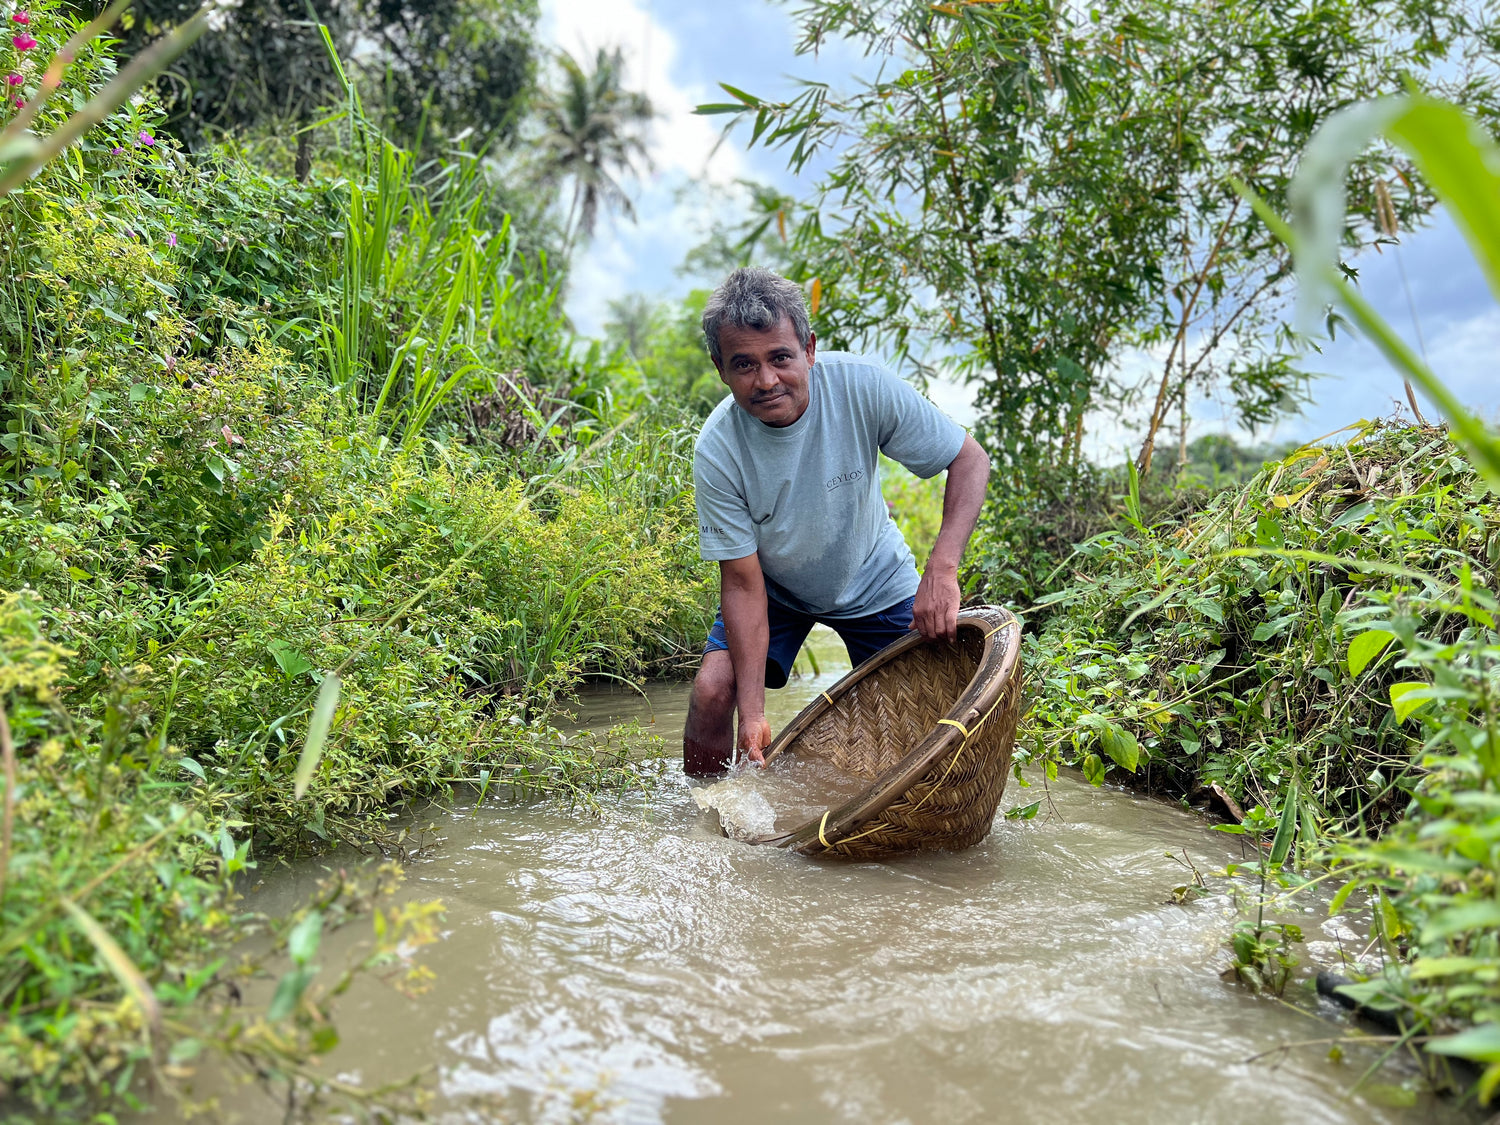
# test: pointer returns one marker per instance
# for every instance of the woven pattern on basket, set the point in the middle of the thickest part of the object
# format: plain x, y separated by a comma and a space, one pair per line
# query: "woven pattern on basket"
874, 724
931, 726
953, 805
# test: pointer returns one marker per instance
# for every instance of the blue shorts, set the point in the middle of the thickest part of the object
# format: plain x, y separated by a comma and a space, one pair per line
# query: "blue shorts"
862, 636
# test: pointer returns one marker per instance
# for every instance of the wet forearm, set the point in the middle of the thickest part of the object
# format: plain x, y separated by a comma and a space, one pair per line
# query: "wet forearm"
742, 596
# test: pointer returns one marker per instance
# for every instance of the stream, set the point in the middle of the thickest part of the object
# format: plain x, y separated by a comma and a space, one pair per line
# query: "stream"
641, 968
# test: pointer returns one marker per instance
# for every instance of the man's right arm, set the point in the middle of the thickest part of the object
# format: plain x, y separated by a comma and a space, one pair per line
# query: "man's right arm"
742, 598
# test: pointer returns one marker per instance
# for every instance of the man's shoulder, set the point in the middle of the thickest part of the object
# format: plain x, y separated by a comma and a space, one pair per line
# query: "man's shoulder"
850, 367
717, 428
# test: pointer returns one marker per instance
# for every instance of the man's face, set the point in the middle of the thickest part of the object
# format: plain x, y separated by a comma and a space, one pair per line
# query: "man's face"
767, 372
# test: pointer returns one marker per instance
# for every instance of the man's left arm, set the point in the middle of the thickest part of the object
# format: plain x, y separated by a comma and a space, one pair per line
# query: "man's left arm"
935, 613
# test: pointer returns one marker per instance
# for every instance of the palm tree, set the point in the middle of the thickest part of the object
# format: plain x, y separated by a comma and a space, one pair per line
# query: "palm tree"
593, 134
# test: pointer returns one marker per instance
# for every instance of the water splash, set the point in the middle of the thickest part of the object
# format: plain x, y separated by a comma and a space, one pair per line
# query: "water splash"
743, 809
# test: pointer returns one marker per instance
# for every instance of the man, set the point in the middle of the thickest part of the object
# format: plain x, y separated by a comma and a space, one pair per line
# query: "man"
789, 505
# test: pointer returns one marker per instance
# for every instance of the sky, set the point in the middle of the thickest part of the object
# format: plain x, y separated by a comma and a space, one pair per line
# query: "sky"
677, 51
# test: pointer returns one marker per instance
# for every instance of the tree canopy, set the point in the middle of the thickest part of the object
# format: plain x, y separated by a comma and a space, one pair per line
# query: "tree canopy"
1031, 190
443, 66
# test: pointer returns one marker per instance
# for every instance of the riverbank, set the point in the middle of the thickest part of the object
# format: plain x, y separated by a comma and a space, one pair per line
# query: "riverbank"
257, 431
1314, 654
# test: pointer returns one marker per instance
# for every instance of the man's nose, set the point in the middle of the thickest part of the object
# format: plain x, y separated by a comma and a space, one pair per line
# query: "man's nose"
765, 377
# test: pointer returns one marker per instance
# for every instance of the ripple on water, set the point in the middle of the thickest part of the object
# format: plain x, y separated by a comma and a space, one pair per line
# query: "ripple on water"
674, 975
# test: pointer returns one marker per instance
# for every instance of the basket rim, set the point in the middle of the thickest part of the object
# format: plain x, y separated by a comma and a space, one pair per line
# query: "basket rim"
974, 705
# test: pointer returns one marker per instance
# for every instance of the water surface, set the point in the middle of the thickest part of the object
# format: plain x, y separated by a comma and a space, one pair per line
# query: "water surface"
642, 968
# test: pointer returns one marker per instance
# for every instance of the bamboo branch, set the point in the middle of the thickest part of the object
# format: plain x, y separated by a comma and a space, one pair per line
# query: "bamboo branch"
1163, 399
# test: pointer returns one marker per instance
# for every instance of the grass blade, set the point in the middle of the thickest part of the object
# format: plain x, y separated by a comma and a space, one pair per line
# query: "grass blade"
317, 733
120, 964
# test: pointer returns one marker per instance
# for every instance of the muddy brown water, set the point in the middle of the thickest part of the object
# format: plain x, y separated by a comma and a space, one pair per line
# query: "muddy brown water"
641, 968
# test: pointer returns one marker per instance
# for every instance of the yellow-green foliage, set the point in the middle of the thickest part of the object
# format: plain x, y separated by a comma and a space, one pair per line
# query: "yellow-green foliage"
98, 275
87, 826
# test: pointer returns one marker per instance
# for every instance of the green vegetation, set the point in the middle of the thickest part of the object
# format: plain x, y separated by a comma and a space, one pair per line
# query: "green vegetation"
260, 436
1322, 646
312, 505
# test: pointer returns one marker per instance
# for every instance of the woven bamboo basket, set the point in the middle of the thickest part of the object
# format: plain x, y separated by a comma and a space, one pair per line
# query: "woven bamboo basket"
931, 726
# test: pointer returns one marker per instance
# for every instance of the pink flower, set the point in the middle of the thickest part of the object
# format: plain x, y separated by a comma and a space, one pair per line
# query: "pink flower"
171, 239
23, 41
147, 139
14, 79
116, 150
19, 103
21, 18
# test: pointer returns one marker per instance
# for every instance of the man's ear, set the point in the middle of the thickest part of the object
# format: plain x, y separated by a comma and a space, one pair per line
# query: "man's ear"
812, 347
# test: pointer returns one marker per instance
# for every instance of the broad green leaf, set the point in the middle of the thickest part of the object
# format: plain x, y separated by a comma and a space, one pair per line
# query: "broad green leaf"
1024, 812
289, 991
1466, 917
1268, 629
1405, 698
288, 659
1209, 608
1268, 532
1427, 968
317, 731
1093, 769
1482, 1044
1121, 746
302, 942
1366, 647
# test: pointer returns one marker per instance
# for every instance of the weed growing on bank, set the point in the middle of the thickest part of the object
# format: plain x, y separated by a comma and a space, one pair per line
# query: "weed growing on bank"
1320, 646
258, 432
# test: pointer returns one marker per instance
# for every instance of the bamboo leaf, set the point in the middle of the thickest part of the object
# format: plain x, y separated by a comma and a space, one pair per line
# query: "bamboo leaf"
1461, 163
1286, 828
317, 732
1482, 1044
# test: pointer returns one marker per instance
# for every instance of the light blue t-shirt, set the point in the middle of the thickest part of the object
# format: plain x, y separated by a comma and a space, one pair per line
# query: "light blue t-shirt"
807, 496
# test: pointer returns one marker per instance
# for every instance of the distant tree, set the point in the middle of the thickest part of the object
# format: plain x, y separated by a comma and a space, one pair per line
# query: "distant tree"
665, 339
592, 134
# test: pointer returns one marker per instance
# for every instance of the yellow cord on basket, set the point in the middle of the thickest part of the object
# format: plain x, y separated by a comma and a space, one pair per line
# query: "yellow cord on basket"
822, 839
959, 725
829, 698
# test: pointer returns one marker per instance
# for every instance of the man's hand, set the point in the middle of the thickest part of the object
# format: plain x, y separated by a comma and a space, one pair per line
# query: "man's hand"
935, 612
755, 736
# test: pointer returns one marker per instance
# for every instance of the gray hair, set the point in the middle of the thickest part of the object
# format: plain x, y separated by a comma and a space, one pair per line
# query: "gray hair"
756, 299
